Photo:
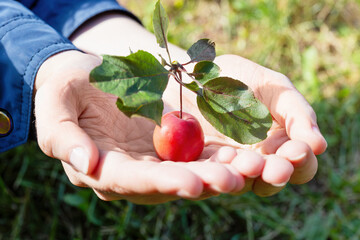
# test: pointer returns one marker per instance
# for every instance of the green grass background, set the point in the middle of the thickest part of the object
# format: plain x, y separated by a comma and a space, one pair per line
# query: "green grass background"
314, 43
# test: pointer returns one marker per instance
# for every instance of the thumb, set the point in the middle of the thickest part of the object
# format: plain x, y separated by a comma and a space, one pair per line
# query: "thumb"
59, 135
288, 107
293, 112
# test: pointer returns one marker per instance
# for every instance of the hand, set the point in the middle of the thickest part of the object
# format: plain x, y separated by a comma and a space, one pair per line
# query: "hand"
103, 149
288, 154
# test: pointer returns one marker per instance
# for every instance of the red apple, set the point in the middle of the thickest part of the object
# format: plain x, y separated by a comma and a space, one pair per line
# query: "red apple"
178, 139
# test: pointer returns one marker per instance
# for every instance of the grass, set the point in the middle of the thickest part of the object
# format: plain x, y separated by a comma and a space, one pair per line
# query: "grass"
314, 43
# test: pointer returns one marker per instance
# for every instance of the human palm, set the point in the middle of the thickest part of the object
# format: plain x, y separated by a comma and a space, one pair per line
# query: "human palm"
71, 113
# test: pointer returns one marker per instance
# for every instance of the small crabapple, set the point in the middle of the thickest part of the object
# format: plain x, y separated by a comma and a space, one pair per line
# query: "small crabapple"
178, 139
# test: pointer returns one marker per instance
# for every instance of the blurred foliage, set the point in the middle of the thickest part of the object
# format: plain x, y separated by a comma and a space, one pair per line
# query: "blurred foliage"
314, 43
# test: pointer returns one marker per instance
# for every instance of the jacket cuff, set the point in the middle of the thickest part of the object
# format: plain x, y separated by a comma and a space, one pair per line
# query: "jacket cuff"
75, 13
26, 42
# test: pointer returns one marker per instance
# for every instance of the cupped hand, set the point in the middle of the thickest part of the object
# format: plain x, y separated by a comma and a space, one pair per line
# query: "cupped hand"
288, 153
103, 149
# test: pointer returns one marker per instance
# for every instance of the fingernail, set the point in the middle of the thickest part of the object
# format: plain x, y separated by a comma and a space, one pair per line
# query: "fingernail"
184, 194
217, 189
79, 158
316, 130
298, 157
279, 184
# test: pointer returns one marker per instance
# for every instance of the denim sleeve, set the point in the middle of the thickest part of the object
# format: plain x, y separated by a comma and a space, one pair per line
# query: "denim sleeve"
26, 42
67, 15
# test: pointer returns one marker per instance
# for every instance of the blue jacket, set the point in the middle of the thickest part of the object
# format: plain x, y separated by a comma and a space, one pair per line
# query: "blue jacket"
30, 32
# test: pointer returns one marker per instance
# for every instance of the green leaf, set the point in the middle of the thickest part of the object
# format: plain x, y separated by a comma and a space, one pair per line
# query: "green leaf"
193, 86
138, 81
230, 106
202, 50
153, 110
246, 126
160, 23
205, 71
225, 94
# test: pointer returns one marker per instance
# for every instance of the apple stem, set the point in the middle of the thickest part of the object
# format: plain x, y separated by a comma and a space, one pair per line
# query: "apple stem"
180, 78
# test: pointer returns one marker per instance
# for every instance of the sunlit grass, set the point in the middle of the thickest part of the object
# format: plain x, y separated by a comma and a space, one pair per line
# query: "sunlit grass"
314, 43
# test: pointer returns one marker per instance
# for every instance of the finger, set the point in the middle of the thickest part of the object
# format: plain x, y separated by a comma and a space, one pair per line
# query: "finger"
223, 155
120, 174
239, 179
264, 189
248, 186
302, 158
59, 135
214, 175
206, 195
144, 199
276, 137
301, 125
248, 163
73, 175
277, 171
300, 121
75, 179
